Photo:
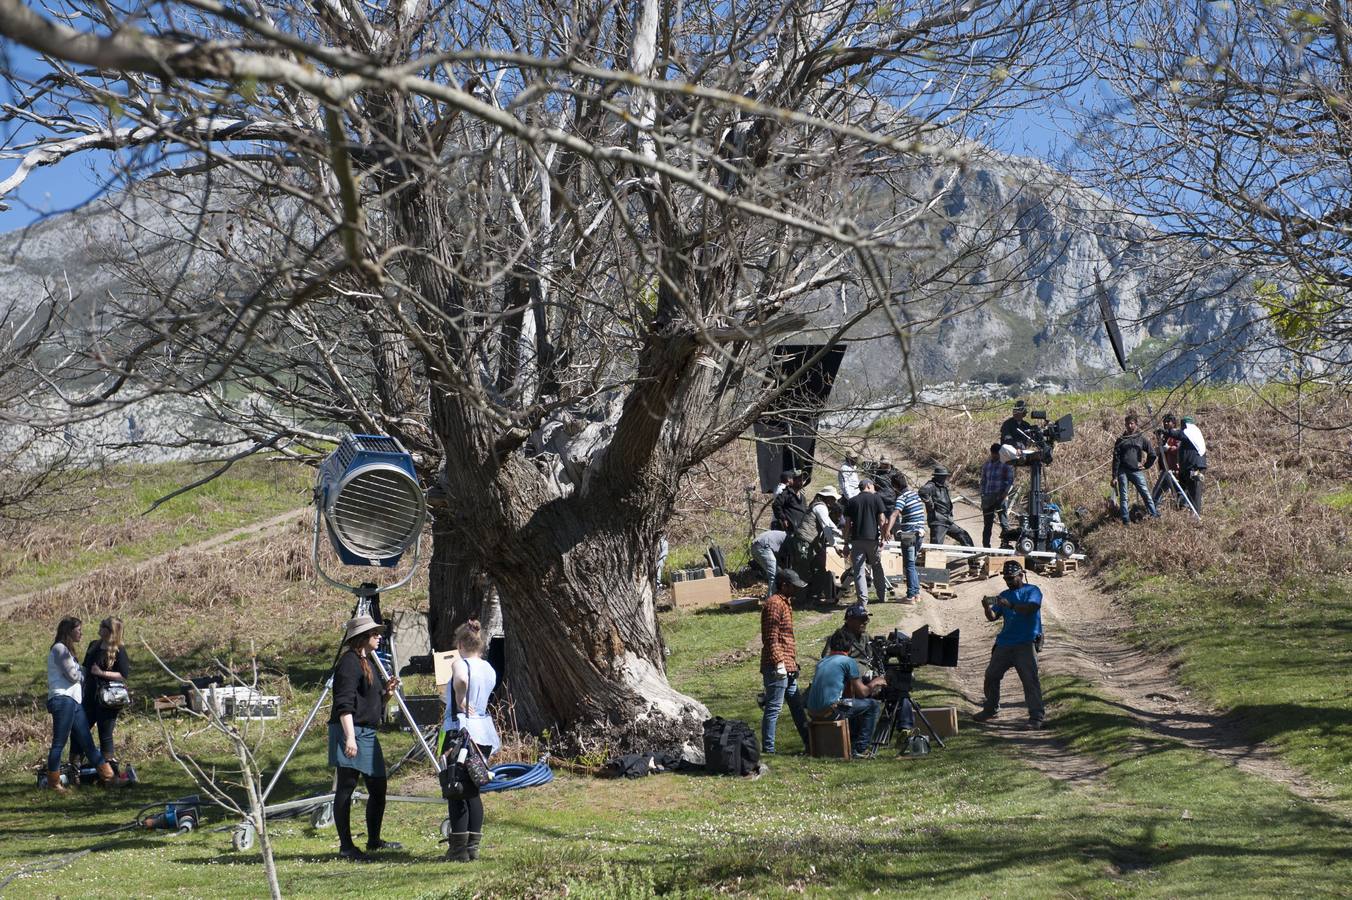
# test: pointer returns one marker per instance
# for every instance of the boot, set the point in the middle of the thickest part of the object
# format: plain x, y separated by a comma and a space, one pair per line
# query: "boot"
457, 851
472, 848
106, 776
54, 782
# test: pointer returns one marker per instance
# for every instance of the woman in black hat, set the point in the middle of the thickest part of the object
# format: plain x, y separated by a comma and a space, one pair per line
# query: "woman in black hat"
358, 703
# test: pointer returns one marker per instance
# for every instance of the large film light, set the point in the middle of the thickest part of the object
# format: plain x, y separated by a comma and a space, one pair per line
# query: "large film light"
369, 497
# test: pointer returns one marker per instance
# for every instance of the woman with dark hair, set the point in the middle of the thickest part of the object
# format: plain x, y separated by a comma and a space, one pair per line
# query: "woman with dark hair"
65, 691
105, 661
472, 681
358, 702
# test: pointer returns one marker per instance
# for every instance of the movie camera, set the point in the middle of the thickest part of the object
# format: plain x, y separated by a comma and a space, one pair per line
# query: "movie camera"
1040, 527
896, 656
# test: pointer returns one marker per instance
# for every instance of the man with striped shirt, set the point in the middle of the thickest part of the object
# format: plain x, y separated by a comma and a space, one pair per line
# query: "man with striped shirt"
907, 526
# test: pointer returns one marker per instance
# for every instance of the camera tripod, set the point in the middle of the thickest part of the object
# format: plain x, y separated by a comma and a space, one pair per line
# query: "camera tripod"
892, 707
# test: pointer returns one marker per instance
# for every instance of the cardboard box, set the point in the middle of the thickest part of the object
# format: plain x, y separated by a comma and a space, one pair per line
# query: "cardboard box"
829, 739
701, 592
944, 720
441, 666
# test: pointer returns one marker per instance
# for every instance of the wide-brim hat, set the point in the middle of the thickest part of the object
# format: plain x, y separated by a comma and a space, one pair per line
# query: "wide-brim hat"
359, 626
829, 491
938, 471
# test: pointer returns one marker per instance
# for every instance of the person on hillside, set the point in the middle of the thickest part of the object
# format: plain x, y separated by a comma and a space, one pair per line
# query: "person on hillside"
1132, 457
472, 682
1168, 451
105, 662
65, 695
848, 477
939, 509
882, 480
997, 479
779, 659
1191, 459
907, 527
863, 522
1017, 644
806, 547
359, 700
765, 550
1012, 430
838, 692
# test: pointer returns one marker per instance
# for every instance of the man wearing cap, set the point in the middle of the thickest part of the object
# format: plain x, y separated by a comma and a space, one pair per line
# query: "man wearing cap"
864, 520
1020, 606
1191, 459
939, 508
848, 478
1012, 430
855, 632
779, 659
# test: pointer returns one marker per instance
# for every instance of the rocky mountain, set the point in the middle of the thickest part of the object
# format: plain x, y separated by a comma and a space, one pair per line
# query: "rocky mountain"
1024, 309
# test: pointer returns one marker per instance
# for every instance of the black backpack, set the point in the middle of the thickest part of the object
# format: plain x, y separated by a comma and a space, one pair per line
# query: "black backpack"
730, 748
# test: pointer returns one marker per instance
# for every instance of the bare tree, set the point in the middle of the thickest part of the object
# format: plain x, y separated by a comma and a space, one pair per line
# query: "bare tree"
1230, 126
241, 742
551, 248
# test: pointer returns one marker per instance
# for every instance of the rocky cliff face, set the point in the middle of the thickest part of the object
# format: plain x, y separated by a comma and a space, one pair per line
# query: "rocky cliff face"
1028, 311
1024, 309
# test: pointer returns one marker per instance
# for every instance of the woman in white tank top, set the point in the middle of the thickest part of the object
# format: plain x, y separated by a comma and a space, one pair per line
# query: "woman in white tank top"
467, 693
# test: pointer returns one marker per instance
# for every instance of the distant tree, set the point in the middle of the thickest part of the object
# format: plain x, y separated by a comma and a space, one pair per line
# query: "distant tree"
551, 248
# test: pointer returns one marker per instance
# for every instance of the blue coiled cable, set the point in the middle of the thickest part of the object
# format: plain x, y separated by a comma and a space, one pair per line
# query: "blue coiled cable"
510, 776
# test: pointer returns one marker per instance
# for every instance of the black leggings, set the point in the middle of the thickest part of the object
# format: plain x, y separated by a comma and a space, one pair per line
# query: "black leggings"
467, 813
342, 806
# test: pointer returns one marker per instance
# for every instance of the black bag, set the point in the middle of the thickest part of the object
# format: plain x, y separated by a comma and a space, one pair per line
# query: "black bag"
730, 748
454, 775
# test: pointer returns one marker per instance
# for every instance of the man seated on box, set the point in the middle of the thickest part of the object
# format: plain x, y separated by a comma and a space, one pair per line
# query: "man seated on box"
855, 633
839, 693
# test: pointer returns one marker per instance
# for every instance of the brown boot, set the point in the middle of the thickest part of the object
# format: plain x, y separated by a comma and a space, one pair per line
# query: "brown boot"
54, 782
106, 776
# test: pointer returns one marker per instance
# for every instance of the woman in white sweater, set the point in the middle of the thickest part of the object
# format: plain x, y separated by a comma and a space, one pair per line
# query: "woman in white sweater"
65, 692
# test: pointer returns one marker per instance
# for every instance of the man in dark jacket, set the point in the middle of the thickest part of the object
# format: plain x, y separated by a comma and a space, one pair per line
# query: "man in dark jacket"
789, 506
1132, 457
1191, 458
939, 509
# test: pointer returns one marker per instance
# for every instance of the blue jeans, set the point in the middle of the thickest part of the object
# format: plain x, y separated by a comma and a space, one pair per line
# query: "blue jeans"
779, 688
766, 558
863, 717
866, 562
912, 573
69, 723
1142, 488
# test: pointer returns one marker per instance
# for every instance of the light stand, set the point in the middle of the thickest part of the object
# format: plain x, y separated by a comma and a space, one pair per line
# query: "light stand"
374, 510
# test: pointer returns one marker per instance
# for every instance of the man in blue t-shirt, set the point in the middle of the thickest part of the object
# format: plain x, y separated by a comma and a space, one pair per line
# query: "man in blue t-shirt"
1017, 643
839, 693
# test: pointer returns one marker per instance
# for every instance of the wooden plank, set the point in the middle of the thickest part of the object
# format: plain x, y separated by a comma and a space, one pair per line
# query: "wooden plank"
740, 604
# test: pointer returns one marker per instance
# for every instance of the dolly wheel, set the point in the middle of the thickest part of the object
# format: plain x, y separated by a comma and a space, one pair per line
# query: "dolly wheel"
242, 838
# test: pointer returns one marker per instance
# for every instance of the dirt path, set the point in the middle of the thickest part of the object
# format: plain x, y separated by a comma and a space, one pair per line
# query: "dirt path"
252, 531
1087, 637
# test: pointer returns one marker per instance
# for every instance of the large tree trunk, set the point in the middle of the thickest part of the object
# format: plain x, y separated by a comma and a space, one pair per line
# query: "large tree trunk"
456, 583
585, 657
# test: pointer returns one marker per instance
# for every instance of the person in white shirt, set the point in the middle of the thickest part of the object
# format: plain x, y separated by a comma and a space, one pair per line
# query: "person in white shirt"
65, 696
848, 479
467, 693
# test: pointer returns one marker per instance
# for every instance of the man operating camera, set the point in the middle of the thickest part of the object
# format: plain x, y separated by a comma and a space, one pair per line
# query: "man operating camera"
839, 693
1016, 646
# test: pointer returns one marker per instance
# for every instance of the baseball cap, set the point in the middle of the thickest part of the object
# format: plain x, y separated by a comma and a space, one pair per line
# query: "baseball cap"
1012, 567
858, 611
791, 577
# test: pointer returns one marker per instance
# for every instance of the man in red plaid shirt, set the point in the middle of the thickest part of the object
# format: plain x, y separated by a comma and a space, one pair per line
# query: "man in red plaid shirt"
997, 478
779, 659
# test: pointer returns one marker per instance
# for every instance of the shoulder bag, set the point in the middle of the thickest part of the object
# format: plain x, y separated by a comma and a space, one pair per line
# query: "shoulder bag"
463, 763
114, 695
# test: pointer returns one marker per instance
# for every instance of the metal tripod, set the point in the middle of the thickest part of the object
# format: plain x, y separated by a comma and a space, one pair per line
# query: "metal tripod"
887, 719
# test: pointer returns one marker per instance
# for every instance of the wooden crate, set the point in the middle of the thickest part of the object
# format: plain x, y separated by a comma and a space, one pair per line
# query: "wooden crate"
994, 564
1065, 567
943, 719
829, 739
